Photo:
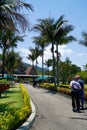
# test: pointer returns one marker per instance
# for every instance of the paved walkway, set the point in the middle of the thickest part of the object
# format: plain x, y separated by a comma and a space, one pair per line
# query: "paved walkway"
54, 112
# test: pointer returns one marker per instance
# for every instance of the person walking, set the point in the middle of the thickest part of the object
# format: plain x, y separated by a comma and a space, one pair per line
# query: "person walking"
75, 87
81, 92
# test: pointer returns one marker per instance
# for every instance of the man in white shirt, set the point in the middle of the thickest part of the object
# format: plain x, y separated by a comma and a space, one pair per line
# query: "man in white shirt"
75, 88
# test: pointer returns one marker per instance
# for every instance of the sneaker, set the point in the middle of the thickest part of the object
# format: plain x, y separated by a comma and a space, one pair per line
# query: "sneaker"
78, 111
73, 110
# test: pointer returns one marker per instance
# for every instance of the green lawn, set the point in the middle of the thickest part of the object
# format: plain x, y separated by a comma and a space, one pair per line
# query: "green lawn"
10, 99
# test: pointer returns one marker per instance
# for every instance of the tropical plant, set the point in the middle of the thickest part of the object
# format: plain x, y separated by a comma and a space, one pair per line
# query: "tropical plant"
11, 19
32, 55
84, 39
56, 33
38, 52
85, 67
12, 59
11, 16
48, 63
40, 41
8, 39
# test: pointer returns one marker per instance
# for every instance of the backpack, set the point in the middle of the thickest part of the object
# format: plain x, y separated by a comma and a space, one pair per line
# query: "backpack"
75, 86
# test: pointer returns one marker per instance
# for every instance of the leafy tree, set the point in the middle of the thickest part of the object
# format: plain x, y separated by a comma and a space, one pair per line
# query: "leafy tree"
32, 56
11, 16
12, 59
8, 39
84, 39
48, 63
83, 75
56, 33
62, 71
38, 52
40, 42
68, 65
74, 69
85, 67
11, 19
67, 70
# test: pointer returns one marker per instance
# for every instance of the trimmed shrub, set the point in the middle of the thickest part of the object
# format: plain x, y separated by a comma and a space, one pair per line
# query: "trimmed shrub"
14, 118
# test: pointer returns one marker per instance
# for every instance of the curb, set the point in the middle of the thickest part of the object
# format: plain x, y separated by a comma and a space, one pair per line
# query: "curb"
28, 123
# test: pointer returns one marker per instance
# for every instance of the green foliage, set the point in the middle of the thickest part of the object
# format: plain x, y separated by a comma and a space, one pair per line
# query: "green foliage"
83, 75
63, 88
11, 119
64, 85
5, 81
49, 86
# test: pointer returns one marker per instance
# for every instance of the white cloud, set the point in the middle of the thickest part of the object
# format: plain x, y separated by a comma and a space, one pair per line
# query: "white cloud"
47, 53
24, 52
64, 50
82, 54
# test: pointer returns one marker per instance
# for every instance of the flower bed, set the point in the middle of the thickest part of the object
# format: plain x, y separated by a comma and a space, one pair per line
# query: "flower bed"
4, 87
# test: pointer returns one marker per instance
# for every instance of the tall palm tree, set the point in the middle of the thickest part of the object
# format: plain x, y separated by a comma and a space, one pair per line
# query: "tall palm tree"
8, 39
32, 56
54, 32
48, 63
11, 16
63, 37
38, 52
40, 41
34, 53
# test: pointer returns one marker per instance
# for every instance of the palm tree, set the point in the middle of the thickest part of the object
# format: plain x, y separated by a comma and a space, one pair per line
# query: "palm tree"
38, 52
54, 32
40, 41
68, 64
63, 37
48, 63
11, 16
84, 39
32, 56
12, 59
8, 39
10, 19
34, 53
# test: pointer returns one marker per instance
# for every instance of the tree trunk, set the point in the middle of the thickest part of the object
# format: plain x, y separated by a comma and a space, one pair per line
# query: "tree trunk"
57, 72
3, 61
42, 65
53, 64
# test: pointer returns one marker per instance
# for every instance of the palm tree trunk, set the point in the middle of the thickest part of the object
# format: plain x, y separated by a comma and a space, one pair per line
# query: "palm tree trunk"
57, 72
42, 65
3, 60
53, 64
36, 66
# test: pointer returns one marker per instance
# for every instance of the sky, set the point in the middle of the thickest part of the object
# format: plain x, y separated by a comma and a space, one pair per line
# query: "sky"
75, 11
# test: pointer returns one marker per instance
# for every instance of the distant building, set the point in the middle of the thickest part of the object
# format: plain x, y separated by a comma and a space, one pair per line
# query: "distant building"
31, 71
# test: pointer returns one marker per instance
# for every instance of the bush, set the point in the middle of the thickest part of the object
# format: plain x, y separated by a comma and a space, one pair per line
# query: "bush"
64, 89
14, 118
64, 85
4, 81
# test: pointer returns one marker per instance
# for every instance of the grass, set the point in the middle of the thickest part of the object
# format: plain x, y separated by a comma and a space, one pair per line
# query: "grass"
10, 99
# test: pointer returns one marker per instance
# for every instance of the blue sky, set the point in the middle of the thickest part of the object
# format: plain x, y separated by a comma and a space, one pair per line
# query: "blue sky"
75, 11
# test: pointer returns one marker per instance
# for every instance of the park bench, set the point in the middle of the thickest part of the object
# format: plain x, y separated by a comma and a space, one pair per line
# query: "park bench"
4, 87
